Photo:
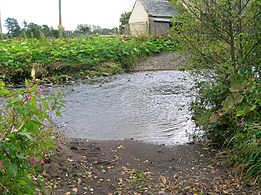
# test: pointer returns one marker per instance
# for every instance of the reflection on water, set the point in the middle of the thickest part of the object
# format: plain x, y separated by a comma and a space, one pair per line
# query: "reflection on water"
147, 106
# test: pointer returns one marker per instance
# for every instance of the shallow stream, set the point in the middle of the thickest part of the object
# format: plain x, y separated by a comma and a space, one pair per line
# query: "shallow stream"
146, 106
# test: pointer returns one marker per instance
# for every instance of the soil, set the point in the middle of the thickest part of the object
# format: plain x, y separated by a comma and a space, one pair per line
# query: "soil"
128, 167
163, 61
131, 167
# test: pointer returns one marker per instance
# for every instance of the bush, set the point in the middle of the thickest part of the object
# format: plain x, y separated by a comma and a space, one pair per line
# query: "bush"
25, 137
229, 112
223, 38
65, 56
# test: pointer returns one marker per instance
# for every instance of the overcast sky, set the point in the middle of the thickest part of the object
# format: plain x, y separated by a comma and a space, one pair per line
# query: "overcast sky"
105, 13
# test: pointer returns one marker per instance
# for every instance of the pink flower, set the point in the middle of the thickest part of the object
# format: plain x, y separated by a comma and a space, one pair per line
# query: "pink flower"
14, 130
42, 162
40, 89
32, 160
34, 178
27, 98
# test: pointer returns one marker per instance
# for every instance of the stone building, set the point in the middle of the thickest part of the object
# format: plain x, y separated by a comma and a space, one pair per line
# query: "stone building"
151, 17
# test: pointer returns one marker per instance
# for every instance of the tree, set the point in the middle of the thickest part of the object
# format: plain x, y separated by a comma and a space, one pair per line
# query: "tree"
220, 31
96, 29
115, 30
33, 30
224, 37
83, 29
124, 21
46, 31
54, 32
14, 30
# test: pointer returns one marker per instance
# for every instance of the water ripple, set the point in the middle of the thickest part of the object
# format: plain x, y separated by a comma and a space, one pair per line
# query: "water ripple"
148, 106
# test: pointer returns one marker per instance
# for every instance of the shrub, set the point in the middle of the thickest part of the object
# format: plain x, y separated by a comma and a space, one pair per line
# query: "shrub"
229, 113
224, 40
65, 56
25, 136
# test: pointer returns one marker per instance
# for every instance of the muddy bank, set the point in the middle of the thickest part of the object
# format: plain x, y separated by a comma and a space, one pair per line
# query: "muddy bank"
163, 61
130, 167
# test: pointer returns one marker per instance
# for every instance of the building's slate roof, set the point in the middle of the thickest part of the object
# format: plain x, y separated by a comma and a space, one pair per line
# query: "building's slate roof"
159, 8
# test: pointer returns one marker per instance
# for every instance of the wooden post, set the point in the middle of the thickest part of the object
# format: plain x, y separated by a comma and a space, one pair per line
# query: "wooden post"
1, 30
60, 27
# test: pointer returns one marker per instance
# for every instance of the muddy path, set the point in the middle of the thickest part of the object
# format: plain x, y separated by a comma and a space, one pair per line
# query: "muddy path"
130, 166
163, 61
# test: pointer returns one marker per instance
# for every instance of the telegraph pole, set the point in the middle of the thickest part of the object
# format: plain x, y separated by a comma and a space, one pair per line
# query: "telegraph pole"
60, 27
1, 30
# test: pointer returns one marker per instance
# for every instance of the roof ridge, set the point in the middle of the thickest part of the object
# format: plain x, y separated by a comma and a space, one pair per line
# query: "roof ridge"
159, 8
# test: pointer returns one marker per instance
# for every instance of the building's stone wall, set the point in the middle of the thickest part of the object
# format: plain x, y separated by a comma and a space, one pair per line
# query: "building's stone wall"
139, 28
139, 20
159, 28
141, 24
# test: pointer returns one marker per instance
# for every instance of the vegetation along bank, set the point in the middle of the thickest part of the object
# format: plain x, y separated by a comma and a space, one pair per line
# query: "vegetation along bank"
224, 40
80, 57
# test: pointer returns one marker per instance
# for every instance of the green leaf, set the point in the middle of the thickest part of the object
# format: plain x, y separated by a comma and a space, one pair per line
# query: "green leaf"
27, 135
244, 110
33, 125
44, 103
21, 156
26, 83
11, 135
33, 102
4, 91
14, 169
231, 101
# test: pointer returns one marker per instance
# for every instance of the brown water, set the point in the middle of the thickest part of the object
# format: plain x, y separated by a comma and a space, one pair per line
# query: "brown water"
146, 106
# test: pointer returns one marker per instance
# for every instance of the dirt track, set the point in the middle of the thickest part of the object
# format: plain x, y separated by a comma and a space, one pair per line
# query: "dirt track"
164, 61
130, 167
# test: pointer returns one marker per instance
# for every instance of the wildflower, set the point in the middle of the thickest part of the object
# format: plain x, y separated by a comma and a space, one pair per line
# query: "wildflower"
34, 178
32, 160
14, 130
40, 89
27, 98
42, 162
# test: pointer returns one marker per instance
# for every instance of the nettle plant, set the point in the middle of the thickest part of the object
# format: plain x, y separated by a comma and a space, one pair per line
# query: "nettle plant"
26, 126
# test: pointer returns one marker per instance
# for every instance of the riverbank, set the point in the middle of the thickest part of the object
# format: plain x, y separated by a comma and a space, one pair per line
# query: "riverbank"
163, 61
82, 166
60, 60
131, 167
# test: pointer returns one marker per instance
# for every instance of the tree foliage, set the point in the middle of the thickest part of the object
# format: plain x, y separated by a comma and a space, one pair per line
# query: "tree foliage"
32, 30
14, 30
224, 38
83, 29
124, 21
221, 31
